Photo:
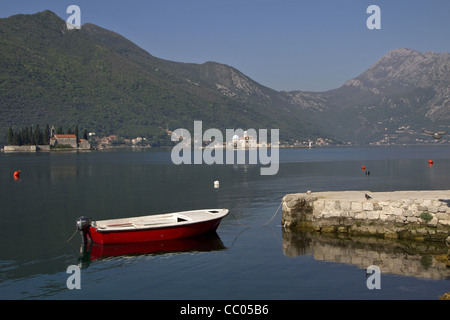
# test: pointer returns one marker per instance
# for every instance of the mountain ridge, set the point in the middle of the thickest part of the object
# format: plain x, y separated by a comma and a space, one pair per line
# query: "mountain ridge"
98, 79
403, 89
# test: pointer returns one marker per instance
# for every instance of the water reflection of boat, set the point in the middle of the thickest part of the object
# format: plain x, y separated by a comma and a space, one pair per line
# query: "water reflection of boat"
204, 243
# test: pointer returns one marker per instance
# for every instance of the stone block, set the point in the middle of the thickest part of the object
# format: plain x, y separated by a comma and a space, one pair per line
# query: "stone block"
433, 209
433, 222
326, 214
408, 213
373, 215
317, 213
367, 206
422, 208
437, 203
422, 231
426, 203
319, 204
442, 216
356, 206
345, 205
408, 202
417, 213
336, 214
411, 219
395, 204
331, 205
361, 215
289, 197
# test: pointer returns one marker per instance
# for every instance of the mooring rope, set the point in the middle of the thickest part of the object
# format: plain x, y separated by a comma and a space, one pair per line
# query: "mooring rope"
76, 230
275, 214
237, 220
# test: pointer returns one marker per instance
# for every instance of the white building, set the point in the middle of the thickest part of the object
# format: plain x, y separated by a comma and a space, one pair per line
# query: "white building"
245, 142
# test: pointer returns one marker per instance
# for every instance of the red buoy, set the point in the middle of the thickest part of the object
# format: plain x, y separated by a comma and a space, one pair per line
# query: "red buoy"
430, 162
16, 174
363, 167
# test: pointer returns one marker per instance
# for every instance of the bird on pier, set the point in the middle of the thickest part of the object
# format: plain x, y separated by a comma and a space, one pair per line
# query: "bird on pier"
435, 135
367, 196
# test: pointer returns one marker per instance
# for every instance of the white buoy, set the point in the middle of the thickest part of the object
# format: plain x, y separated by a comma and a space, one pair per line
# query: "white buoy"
216, 184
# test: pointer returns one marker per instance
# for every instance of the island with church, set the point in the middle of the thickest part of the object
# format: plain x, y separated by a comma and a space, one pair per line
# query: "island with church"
32, 140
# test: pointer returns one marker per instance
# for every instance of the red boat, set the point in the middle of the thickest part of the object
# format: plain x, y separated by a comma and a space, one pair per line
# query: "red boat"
157, 227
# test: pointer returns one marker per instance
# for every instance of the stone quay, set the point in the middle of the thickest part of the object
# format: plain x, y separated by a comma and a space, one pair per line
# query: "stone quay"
419, 215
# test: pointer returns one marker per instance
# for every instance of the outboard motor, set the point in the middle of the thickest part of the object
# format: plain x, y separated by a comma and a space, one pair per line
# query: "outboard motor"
83, 224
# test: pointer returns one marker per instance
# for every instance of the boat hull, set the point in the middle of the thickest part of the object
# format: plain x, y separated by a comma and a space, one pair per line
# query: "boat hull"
154, 234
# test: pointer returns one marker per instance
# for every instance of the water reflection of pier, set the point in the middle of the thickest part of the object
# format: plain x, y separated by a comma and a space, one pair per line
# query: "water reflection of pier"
415, 259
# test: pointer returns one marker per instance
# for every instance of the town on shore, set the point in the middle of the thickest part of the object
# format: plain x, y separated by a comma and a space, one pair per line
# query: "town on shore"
28, 139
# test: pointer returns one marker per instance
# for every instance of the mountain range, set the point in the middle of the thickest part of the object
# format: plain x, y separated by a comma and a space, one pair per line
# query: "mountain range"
99, 80
403, 93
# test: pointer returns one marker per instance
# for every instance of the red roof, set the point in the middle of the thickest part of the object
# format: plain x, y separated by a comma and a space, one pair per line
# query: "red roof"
65, 136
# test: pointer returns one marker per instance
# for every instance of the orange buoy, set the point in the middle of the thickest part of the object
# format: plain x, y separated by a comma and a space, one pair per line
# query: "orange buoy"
363, 167
16, 174
430, 162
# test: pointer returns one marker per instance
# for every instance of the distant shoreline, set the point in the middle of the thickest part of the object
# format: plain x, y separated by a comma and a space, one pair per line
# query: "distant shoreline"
37, 148
46, 148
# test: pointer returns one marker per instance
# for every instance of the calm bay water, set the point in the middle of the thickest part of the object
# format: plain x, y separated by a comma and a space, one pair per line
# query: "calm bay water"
242, 261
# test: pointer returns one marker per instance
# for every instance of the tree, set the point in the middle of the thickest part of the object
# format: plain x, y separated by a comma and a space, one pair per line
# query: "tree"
59, 130
10, 136
16, 139
29, 137
24, 136
38, 136
46, 139
85, 134
76, 132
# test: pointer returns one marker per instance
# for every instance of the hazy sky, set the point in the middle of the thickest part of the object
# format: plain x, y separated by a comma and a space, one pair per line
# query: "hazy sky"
283, 44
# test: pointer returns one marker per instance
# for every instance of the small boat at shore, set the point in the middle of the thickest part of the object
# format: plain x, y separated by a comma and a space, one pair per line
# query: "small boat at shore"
155, 227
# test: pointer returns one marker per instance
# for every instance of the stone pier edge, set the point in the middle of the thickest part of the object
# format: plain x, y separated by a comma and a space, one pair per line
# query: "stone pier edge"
419, 215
